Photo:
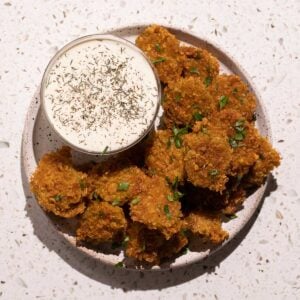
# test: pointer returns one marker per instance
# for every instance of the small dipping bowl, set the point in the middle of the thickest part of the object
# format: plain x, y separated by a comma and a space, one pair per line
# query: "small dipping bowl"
100, 94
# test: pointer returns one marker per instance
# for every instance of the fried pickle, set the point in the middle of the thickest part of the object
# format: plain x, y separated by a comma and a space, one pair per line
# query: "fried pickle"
157, 208
162, 48
163, 158
58, 187
199, 63
230, 92
186, 100
101, 222
207, 225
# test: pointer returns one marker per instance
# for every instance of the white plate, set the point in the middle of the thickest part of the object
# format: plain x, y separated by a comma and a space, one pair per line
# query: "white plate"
38, 139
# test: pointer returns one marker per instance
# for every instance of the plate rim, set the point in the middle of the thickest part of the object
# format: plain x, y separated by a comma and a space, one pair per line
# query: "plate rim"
30, 122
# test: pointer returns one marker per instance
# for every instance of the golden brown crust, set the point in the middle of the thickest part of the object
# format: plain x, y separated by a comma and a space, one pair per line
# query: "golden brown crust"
162, 48
58, 187
164, 158
207, 225
185, 99
230, 92
101, 222
200, 63
155, 210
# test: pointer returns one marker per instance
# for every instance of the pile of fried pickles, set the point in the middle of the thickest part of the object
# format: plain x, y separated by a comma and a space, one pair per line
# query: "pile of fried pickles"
183, 180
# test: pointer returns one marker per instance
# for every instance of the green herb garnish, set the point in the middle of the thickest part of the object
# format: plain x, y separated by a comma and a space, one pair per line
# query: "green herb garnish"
116, 202
82, 184
105, 150
177, 195
213, 172
167, 212
231, 216
177, 136
157, 47
207, 81
233, 143
178, 97
135, 201
159, 60
58, 197
95, 196
194, 70
197, 116
170, 198
223, 101
123, 186
120, 264
239, 136
125, 241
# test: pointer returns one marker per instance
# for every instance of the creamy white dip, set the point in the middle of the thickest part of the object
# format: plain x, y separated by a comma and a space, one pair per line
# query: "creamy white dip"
101, 95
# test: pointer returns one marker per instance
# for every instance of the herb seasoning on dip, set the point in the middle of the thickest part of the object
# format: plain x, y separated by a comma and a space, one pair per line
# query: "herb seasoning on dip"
100, 94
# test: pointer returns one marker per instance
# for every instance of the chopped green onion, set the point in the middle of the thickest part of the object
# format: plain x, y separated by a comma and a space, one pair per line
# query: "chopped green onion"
82, 184
233, 143
198, 116
159, 60
170, 198
178, 97
167, 212
178, 142
239, 136
213, 172
207, 81
116, 202
185, 250
223, 101
175, 183
194, 70
177, 195
231, 216
158, 47
135, 201
95, 196
123, 186
125, 241
239, 125
58, 197
120, 264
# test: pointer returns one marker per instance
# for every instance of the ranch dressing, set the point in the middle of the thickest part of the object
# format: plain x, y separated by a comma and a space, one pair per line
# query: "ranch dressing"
101, 95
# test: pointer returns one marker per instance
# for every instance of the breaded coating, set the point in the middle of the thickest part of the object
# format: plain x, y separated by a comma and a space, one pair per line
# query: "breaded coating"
199, 63
230, 92
268, 159
186, 100
208, 157
162, 48
242, 138
207, 225
164, 158
118, 185
58, 187
150, 245
157, 208
101, 222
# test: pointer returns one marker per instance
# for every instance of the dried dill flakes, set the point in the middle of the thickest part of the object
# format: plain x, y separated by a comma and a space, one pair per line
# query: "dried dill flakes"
223, 101
123, 186
116, 202
95, 196
213, 172
135, 201
198, 116
105, 150
158, 47
82, 184
120, 264
194, 70
207, 81
58, 197
167, 212
159, 60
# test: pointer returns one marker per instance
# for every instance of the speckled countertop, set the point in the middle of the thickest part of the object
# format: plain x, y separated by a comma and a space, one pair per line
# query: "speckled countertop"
263, 262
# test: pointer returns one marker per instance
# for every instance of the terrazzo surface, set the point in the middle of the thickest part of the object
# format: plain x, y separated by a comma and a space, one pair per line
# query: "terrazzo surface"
263, 262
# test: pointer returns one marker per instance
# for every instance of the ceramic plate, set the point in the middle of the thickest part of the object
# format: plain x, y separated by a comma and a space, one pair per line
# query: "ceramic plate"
38, 139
